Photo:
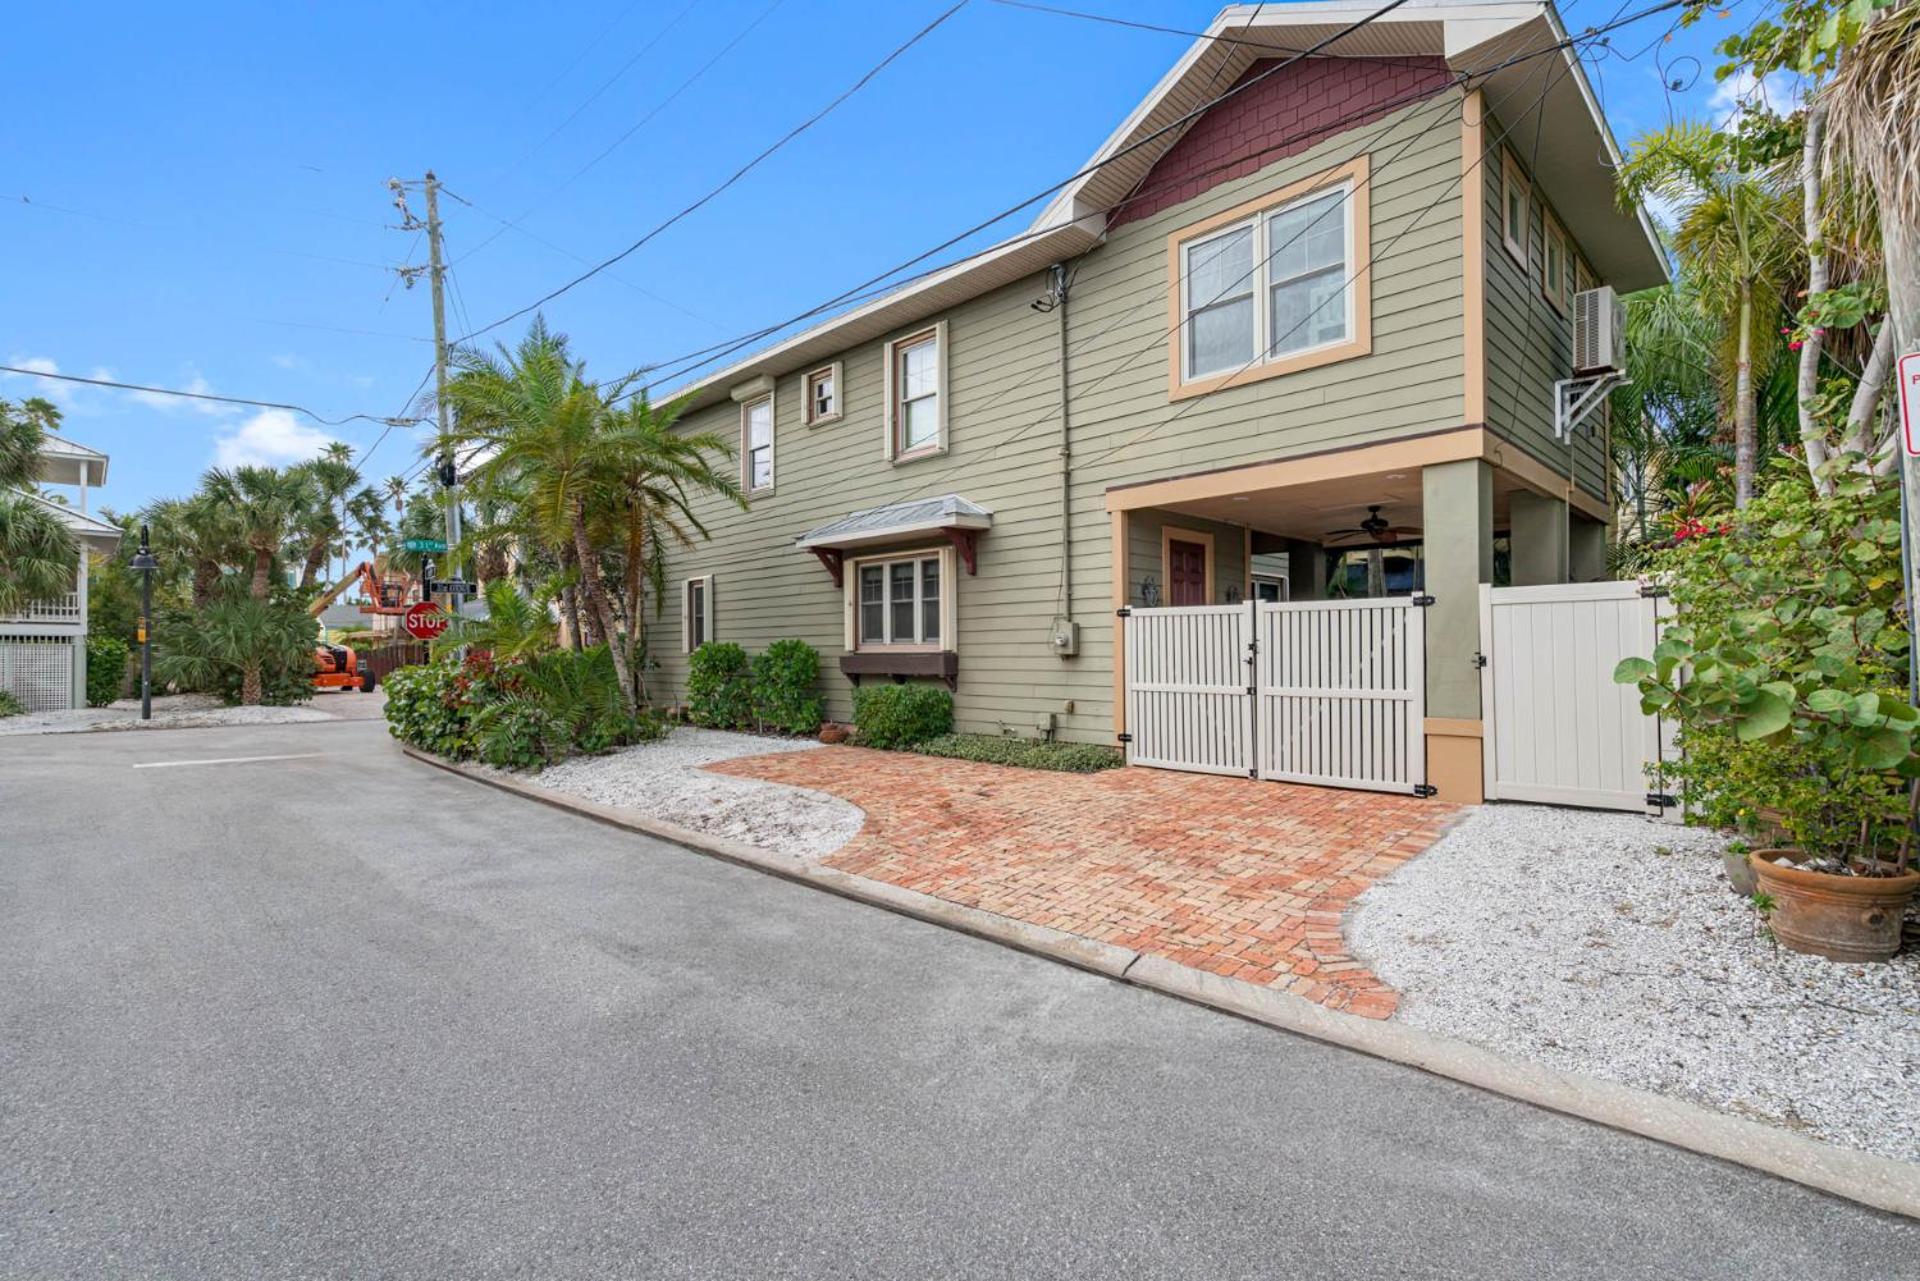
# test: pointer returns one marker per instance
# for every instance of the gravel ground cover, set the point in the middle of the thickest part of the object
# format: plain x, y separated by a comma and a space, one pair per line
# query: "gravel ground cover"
170, 711
664, 780
1610, 945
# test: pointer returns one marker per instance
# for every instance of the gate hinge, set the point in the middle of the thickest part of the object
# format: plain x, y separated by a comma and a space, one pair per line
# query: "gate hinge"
1124, 738
1651, 590
1478, 659
1252, 690
1423, 600
1665, 800
1125, 611
1425, 789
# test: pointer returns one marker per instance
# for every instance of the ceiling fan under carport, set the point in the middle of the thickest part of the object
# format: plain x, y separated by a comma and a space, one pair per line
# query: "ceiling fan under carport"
1374, 529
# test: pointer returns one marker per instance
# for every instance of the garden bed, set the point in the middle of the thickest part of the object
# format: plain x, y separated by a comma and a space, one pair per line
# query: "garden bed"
1570, 938
664, 779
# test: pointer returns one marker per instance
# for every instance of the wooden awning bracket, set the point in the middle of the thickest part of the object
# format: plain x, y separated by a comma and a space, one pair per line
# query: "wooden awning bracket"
835, 560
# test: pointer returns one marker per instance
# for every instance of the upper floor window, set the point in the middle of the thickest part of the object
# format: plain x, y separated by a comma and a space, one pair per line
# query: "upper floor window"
916, 391
1516, 203
756, 444
822, 393
1273, 286
1556, 273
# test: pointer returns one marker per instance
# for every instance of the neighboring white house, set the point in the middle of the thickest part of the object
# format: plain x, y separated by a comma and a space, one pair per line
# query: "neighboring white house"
43, 651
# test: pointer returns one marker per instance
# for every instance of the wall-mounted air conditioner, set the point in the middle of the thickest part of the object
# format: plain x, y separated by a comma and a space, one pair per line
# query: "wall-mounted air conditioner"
1599, 332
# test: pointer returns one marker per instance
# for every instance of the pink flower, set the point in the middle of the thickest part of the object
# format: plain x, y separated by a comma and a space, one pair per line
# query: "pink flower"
1795, 345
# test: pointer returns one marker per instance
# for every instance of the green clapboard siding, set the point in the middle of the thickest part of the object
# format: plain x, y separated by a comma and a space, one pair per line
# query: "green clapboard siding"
1004, 440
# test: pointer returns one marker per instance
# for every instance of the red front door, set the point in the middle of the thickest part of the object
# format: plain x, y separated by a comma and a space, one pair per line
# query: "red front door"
1186, 573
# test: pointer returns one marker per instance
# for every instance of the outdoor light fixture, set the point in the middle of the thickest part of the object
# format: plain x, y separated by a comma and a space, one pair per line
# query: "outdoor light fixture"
1149, 592
144, 563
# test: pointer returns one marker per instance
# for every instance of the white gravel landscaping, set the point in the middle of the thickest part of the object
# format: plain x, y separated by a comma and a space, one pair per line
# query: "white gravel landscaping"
663, 780
170, 711
1570, 938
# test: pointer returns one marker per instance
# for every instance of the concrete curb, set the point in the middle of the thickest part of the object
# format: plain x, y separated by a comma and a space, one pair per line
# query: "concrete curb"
1871, 1180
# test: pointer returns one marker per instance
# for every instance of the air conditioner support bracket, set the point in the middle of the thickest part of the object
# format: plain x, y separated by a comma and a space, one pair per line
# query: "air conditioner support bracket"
1575, 399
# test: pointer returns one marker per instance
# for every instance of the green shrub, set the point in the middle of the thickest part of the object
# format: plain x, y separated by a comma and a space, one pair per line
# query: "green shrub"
11, 706
901, 715
720, 686
430, 707
106, 669
1027, 753
518, 734
783, 681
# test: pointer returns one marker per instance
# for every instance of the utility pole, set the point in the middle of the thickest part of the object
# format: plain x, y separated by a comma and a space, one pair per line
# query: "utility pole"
436, 271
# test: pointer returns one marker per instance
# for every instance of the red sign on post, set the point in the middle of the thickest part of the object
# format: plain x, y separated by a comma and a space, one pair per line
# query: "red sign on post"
1909, 379
424, 620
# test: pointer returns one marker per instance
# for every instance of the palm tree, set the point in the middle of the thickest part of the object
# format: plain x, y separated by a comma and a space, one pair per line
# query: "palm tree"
535, 416
1664, 418
515, 627
266, 504
396, 488
39, 557
1736, 231
236, 635
323, 523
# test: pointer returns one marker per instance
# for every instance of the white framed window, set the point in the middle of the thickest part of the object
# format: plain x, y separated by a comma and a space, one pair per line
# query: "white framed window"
1274, 286
1556, 273
902, 601
1516, 206
696, 612
821, 392
916, 385
756, 445
1271, 287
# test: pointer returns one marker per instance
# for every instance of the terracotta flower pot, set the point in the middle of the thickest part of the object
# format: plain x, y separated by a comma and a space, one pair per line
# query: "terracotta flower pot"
833, 733
1843, 918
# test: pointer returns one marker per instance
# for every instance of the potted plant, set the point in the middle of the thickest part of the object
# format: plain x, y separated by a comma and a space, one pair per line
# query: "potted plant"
1786, 668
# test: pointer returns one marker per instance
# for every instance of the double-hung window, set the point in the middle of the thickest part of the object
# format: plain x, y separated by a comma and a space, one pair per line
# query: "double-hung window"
756, 444
900, 603
1557, 265
1516, 208
696, 612
916, 388
1274, 286
822, 392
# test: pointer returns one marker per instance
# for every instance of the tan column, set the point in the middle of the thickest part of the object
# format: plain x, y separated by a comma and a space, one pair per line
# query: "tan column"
1457, 522
1537, 526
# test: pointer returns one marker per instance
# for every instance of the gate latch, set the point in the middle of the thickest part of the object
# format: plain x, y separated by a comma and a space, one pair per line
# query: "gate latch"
1478, 659
1663, 800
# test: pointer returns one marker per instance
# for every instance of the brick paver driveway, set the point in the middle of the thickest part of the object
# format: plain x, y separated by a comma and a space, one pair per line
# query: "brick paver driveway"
1236, 877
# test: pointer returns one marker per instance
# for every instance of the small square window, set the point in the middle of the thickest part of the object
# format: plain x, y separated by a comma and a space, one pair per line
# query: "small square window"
822, 393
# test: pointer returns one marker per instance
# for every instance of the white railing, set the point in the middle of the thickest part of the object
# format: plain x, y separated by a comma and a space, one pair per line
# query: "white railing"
55, 609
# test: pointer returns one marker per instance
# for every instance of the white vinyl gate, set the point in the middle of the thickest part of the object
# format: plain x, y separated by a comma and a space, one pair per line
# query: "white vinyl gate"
38, 670
1558, 729
1328, 692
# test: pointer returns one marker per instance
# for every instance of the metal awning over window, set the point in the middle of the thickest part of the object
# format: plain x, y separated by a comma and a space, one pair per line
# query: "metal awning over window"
949, 516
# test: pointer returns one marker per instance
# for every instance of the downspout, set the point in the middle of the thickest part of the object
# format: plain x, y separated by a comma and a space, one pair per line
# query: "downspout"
1065, 610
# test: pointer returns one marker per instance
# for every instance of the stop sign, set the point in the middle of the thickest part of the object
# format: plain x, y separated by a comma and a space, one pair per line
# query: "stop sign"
424, 620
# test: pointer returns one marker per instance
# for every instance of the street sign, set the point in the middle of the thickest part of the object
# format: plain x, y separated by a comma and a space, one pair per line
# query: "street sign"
424, 620
1909, 378
425, 545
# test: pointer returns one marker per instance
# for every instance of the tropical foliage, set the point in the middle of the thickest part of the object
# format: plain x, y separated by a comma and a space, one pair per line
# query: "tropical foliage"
39, 557
249, 650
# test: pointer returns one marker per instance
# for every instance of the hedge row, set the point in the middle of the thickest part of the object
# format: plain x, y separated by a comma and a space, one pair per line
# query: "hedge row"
776, 691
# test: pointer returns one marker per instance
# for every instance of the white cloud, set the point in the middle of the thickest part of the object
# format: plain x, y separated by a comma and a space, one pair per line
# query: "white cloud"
1780, 92
72, 398
176, 404
272, 437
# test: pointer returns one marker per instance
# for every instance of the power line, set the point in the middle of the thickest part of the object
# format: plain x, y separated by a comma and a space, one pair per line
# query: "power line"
201, 395
737, 174
718, 351
1188, 33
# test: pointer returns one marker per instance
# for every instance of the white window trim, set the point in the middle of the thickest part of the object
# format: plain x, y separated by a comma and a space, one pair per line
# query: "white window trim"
1512, 176
850, 578
705, 583
834, 372
1352, 178
746, 446
890, 352
1553, 284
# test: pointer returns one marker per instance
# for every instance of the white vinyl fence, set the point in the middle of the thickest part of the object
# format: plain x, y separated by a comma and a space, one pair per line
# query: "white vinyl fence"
1328, 692
1558, 729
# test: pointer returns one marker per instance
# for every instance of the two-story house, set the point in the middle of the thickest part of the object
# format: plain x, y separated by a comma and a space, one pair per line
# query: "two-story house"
43, 649
1300, 343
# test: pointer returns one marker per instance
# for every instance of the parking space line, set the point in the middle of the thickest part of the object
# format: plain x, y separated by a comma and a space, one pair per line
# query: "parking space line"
228, 760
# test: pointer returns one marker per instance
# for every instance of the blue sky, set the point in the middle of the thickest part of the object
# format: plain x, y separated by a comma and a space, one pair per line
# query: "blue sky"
205, 202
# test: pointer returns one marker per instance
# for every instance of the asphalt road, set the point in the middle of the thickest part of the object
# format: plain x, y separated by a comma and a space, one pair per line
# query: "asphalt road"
343, 1015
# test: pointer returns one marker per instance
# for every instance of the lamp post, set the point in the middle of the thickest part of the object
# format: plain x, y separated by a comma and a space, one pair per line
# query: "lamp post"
144, 564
